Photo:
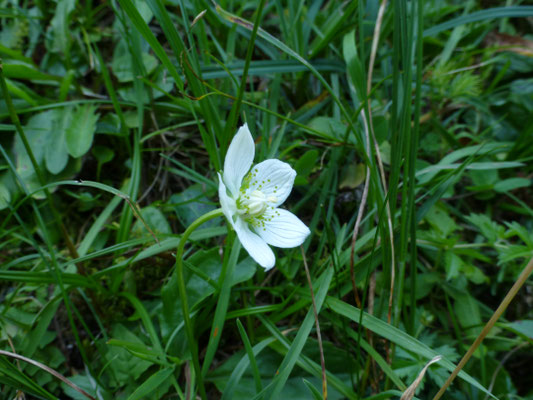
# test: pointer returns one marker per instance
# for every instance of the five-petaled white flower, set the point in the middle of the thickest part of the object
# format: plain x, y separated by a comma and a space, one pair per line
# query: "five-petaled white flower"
250, 200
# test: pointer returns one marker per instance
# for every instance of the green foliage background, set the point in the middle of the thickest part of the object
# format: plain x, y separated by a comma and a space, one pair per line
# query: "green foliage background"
116, 117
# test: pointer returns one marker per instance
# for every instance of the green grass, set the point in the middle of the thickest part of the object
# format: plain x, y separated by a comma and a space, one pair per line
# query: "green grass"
411, 137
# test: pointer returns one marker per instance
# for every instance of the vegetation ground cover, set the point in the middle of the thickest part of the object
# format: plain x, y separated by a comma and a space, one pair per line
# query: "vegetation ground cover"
410, 127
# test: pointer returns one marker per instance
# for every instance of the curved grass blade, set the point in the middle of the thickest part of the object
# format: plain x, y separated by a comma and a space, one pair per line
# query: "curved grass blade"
491, 13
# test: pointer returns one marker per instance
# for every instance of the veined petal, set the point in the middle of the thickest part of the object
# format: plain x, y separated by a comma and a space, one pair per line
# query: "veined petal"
274, 178
254, 245
227, 203
282, 229
239, 159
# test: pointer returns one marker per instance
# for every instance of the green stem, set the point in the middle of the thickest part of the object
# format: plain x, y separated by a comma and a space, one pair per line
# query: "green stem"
183, 294
497, 314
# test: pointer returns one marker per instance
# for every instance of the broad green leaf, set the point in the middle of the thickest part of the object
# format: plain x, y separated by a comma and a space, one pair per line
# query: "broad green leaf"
155, 220
37, 132
59, 36
329, 128
191, 204
304, 166
56, 155
103, 154
352, 176
81, 131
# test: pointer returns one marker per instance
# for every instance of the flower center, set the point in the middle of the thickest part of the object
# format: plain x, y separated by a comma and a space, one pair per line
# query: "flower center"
254, 204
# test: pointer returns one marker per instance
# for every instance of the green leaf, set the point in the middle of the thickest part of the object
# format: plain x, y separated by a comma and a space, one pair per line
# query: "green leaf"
314, 391
155, 219
122, 64
124, 364
524, 327
304, 166
440, 220
454, 265
511, 184
467, 312
191, 204
22, 70
87, 383
103, 154
59, 35
352, 176
5, 196
37, 131
329, 128
490, 229
81, 131
56, 155
153, 384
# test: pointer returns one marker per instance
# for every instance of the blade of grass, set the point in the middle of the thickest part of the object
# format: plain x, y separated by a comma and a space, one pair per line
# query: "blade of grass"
251, 357
491, 13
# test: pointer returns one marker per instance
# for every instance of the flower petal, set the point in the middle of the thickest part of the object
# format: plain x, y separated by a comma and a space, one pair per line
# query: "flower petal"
254, 245
229, 208
274, 178
282, 229
239, 159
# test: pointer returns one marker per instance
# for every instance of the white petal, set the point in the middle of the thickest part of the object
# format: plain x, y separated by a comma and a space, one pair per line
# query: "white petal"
239, 159
283, 229
254, 245
274, 178
227, 203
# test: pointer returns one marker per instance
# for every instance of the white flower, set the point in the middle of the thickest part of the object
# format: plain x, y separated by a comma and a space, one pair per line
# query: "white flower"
250, 199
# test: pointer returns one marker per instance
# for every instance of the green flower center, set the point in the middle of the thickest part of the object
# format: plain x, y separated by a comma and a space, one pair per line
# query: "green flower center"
254, 204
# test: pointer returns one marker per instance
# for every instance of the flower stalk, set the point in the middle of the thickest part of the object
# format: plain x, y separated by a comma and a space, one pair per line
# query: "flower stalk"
193, 345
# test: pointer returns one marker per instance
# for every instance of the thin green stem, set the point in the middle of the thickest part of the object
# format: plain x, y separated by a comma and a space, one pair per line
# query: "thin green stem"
486, 329
183, 294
